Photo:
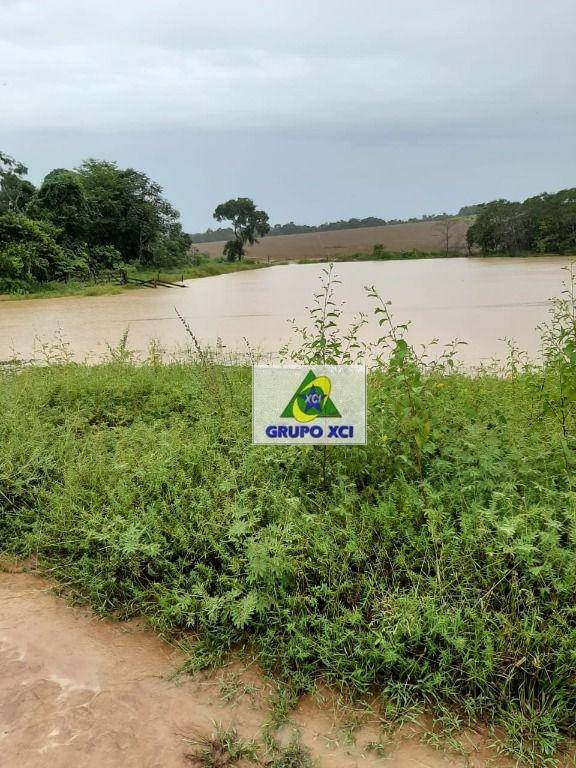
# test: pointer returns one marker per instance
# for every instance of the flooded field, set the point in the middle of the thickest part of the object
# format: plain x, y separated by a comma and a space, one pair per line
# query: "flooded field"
480, 301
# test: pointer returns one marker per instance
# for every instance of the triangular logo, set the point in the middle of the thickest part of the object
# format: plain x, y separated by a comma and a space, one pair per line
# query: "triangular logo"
311, 400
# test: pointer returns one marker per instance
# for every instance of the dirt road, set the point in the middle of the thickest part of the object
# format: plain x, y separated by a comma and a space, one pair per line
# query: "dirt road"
79, 691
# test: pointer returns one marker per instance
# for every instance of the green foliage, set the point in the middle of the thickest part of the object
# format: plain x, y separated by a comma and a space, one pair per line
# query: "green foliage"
172, 248
81, 281
234, 250
103, 257
470, 210
380, 252
15, 192
14, 268
324, 341
127, 209
212, 235
295, 229
29, 251
545, 223
100, 217
61, 200
9, 165
248, 224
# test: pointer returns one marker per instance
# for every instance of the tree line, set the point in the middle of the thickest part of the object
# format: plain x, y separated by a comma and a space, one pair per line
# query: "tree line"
79, 222
99, 216
545, 223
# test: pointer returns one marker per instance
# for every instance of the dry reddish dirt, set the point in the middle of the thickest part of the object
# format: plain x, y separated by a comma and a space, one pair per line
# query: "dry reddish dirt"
423, 236
76, 690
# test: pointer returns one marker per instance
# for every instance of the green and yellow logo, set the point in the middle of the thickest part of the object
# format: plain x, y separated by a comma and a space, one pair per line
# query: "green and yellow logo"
312, 400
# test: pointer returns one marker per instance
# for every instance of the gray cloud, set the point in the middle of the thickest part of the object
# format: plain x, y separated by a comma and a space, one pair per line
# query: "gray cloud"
336, 89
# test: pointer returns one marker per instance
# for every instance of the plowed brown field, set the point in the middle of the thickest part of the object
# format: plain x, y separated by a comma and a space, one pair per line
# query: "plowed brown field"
423, 236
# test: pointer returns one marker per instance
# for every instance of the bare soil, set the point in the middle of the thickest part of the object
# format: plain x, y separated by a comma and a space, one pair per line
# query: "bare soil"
76, 690
423, 236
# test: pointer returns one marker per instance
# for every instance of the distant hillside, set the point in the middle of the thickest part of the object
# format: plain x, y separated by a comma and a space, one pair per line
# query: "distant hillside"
224, 233
325, 245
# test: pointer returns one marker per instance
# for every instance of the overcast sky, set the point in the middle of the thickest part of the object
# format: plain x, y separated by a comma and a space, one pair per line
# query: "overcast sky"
318, 109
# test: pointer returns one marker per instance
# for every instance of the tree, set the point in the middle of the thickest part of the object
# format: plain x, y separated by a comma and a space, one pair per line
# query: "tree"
61, 200
127, 209
172, 248
554, 218
248, 223
15, 192
469, 210
501, 226
9, 165
545, 223
446, 229
81, 222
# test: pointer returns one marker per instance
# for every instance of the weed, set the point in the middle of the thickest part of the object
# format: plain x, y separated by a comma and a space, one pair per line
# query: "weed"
220, 750
233, 688
292, 755
282, 702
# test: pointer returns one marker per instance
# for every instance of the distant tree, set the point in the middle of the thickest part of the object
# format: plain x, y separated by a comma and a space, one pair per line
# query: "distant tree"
553, 221
9, 165
248, 223
15, 192
470, 210
502, 226
212, 235
447, 228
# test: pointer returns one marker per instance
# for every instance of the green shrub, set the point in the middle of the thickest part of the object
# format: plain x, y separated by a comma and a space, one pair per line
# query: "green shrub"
103, 257
380, 252
29, 251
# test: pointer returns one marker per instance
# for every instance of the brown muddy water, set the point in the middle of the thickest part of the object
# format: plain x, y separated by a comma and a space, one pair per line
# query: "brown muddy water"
76, 690
480, 301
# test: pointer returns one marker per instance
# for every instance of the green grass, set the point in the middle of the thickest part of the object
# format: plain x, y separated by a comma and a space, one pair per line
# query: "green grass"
205, 269
79, 288
437, 569
56, 290
380, 253
138, 486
